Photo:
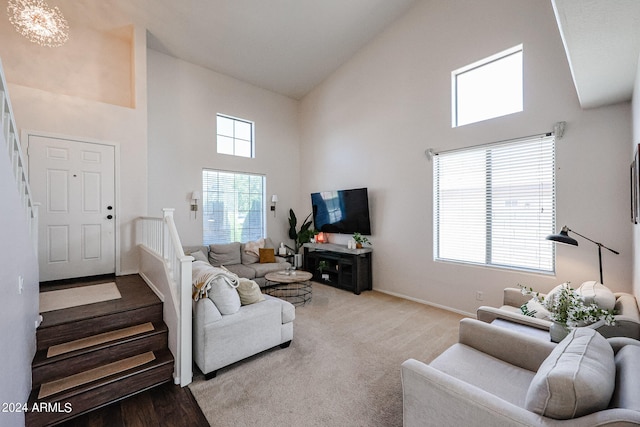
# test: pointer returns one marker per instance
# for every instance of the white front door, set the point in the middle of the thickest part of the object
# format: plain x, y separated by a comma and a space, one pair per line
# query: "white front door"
75, 183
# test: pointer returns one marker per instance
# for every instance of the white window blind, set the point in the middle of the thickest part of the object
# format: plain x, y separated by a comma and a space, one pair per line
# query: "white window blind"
233, 207
495, 204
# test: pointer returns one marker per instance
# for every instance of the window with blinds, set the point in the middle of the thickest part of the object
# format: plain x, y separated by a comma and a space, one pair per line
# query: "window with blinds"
495, 204
233, 207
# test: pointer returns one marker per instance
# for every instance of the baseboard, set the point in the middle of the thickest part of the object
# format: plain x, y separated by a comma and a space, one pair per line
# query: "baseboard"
420, 301
152, 286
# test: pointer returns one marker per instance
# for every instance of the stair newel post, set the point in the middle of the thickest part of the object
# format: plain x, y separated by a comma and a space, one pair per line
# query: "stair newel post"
166, 238
185, 338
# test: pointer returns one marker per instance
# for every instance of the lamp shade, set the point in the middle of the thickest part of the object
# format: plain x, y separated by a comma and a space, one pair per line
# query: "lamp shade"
274, 198
195, 195
563, 237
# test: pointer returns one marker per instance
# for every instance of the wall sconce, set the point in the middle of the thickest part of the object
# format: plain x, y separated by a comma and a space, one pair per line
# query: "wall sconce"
195, 196
274, 202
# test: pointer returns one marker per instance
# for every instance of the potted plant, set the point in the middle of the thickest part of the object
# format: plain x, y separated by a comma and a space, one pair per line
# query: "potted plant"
301, 236
567, 310
323, 265
360, 240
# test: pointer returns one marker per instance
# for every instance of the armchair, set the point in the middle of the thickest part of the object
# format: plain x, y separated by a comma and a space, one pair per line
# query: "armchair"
627, 317
495, 376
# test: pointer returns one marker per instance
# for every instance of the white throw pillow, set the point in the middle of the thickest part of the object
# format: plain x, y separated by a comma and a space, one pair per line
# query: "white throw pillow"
224, 296
596, 293
578, 377
534, 308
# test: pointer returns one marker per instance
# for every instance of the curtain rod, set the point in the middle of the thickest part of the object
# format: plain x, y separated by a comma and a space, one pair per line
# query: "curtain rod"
558, 131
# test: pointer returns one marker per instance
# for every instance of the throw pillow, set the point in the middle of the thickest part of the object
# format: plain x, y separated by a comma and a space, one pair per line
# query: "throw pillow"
596, 293
535, 309
249, 292
578, 377
224, 295
199, 256
267, 255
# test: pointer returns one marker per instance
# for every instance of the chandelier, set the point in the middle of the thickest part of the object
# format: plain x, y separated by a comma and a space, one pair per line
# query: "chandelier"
38, 22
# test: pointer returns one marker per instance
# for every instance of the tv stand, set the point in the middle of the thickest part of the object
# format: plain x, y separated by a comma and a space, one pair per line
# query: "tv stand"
344, 268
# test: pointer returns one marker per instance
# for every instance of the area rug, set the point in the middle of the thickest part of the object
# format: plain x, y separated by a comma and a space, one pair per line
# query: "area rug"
103, 338
54, 387
82, 295
342, 368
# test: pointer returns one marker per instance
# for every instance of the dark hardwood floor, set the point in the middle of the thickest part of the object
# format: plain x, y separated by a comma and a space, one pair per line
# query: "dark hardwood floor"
164, 405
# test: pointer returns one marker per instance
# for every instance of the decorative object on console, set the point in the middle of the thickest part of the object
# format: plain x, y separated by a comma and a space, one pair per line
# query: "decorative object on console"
360, 240
38, 22
321, 238
563, 237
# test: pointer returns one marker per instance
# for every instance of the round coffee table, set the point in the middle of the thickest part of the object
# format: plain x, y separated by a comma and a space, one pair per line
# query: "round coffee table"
294, 287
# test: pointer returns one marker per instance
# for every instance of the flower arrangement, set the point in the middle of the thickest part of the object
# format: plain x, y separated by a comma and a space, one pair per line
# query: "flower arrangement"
565, 306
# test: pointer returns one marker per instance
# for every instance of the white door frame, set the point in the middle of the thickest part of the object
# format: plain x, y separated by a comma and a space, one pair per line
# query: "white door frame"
24, 135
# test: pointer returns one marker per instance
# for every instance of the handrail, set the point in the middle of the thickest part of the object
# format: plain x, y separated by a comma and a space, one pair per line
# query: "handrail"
160, 237
17, 159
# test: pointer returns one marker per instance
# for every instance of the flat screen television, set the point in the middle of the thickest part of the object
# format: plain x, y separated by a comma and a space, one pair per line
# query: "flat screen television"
342, 211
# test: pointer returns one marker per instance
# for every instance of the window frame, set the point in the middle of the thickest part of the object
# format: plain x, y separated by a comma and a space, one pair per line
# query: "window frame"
455, 122
211, 196
233, 137
492, 226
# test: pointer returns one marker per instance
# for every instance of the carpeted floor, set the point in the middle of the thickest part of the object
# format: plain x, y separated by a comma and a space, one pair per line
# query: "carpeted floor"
342, 368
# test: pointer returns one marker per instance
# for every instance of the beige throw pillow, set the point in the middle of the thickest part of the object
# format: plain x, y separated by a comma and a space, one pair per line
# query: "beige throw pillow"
576, 379
596, 293
249, 292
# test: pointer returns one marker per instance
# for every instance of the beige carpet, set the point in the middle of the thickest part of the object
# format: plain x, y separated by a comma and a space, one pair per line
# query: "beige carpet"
70, 346
73, 297
342, 368
54, 387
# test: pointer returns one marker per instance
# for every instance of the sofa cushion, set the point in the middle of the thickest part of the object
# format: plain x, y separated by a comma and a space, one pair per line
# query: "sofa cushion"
224, 296
596, 293
242, 270
578, 377
224, 254
199, 256
249, 292
271, 267
250, 251
627, 392
267, 255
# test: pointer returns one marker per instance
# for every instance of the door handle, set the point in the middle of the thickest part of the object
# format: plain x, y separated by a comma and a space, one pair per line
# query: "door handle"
109, 216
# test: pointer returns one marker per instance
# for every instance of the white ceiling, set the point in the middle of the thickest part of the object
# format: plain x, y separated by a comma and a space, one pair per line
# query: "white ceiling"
602, 40
287, 46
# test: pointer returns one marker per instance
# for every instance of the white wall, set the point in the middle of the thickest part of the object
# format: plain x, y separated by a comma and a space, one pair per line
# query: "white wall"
79, 117
369, 124
19, 310
183, 102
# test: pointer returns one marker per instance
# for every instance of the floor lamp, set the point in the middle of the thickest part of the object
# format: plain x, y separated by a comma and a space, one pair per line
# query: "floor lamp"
563, 237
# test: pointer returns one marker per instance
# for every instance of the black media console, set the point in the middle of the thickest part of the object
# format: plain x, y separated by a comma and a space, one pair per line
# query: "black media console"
344, 268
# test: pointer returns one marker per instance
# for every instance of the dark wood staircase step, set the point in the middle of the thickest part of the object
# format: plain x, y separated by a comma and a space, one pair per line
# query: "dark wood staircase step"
81, 399
59, 366
48, 336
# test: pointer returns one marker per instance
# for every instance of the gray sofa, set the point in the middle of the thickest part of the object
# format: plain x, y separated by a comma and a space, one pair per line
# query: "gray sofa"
235, 259
497, 377
220, 340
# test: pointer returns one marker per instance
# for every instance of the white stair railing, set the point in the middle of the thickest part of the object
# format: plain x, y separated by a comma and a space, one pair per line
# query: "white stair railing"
16, 158
167, 270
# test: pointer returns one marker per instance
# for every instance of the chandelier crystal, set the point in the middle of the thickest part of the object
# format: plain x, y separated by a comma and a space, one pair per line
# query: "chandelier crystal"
38, 22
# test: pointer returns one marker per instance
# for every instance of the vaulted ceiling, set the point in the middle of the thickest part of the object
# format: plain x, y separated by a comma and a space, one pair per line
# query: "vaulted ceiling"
287, 46
602, 41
